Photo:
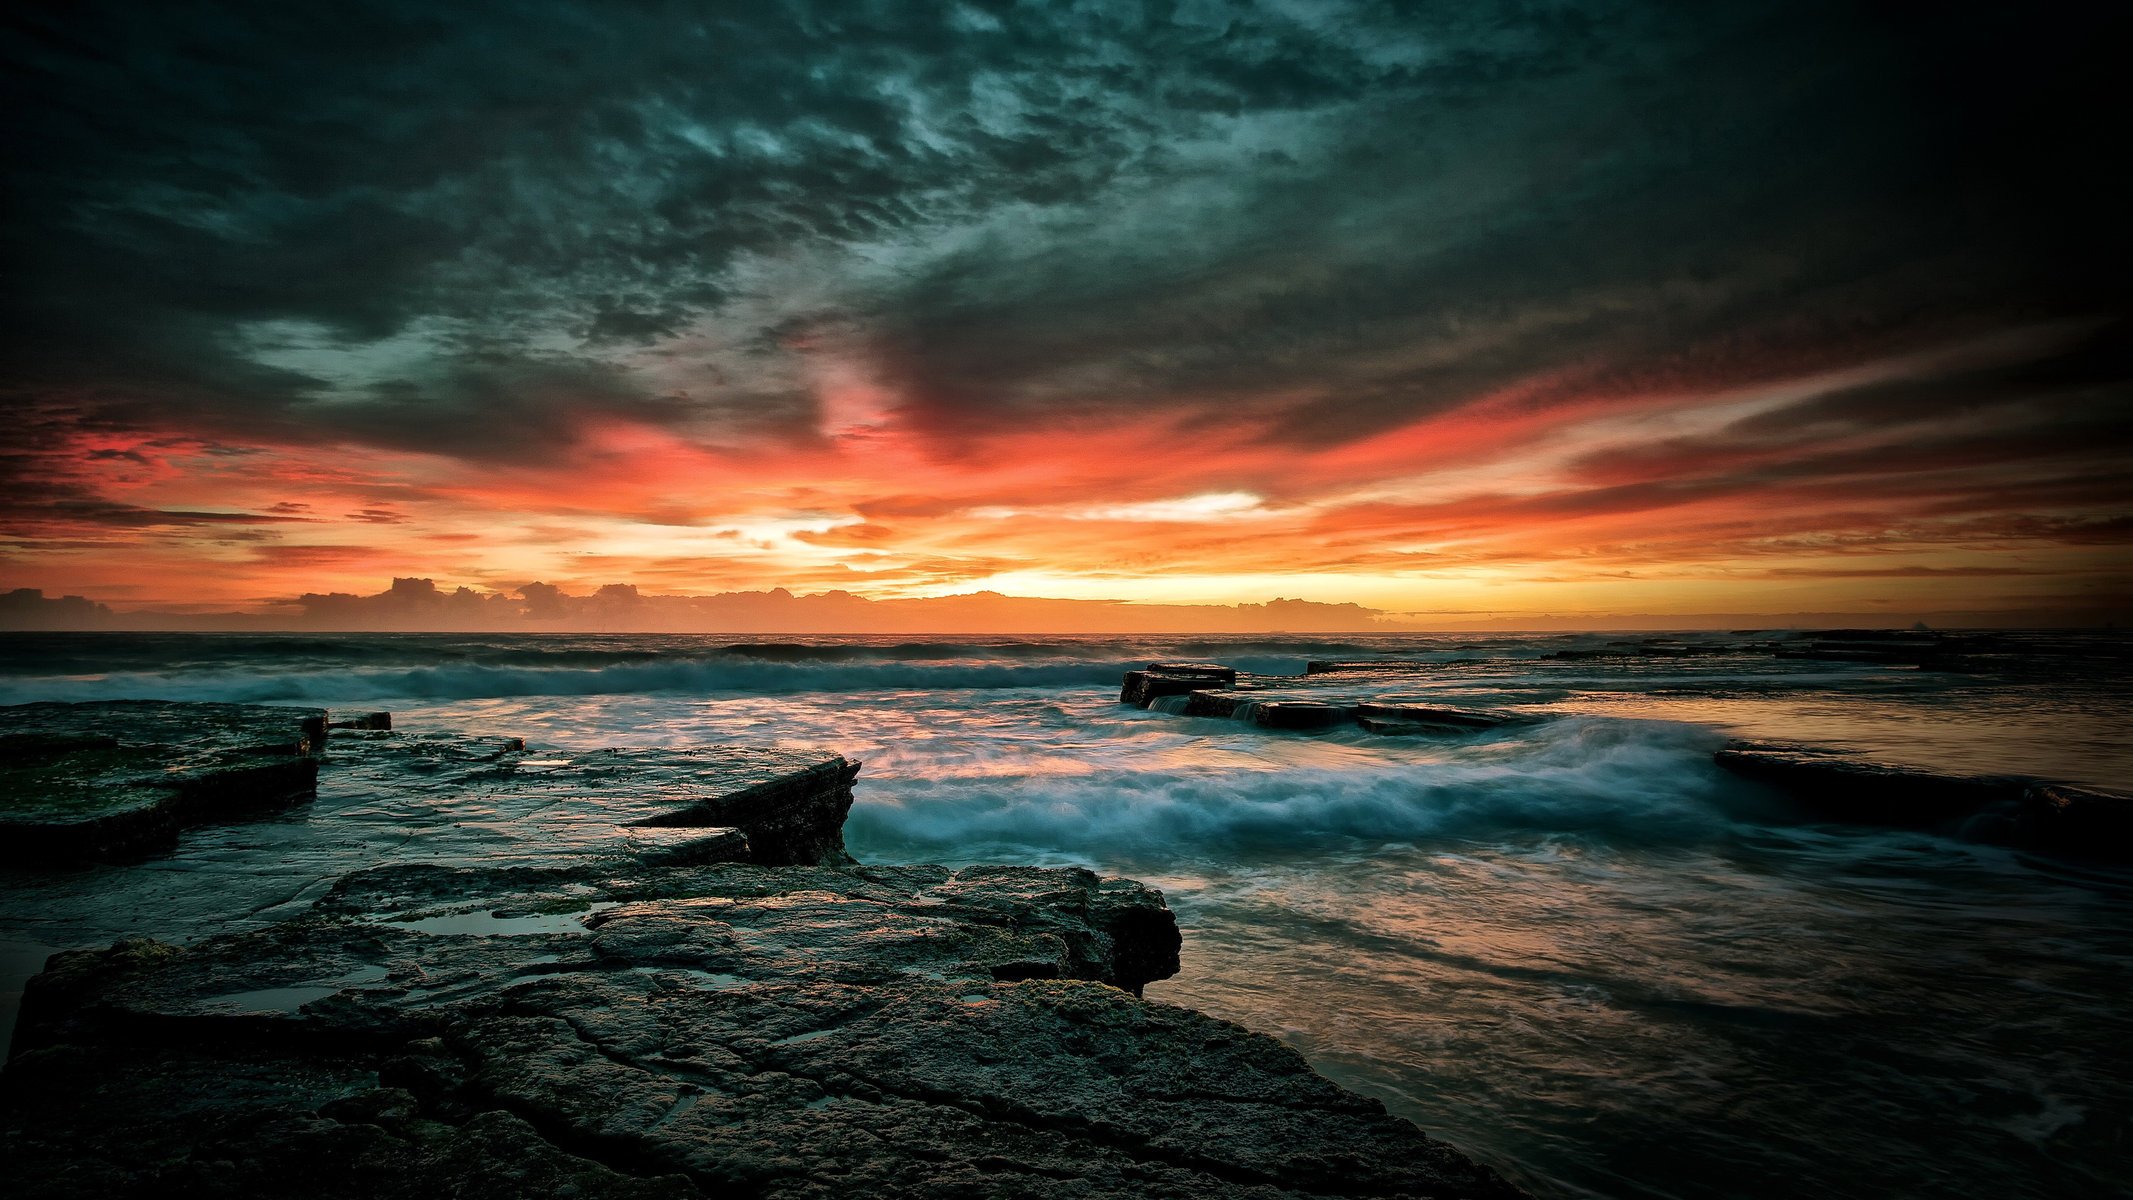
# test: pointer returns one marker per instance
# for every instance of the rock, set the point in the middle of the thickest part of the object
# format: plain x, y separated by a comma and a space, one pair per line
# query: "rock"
1209, 703
1328, 666
115, 778
1143, 688
184, 727
1403, 719
783, 1033
1900, 647
1875, 793
683, 846
481, 801
37, 749
1665, 649
1207, 673
375, 720
2084, 822
1300, 714
1248, 702
795, 818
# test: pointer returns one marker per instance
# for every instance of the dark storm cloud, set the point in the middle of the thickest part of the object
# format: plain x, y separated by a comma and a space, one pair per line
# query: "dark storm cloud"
576, 178
462, 228
1701, 198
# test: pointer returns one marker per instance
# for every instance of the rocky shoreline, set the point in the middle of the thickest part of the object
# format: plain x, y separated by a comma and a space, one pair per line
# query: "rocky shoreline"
2033, 813
125, 777
671, 989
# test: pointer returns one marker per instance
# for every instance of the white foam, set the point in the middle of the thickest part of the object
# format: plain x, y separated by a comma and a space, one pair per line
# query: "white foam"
1650, 780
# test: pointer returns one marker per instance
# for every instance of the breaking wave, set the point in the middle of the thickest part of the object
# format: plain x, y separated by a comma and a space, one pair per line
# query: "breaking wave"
464, 681
1645, 781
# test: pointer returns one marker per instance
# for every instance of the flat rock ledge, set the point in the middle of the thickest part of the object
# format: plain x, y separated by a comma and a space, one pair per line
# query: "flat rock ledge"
119, 778
1205, 690
673, 983
721, 1030
2033, 813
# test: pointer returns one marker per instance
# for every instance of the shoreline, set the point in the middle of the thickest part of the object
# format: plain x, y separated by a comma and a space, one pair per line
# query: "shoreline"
987, 1008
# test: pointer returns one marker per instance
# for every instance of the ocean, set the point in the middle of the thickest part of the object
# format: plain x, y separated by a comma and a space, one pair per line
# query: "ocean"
1574, 948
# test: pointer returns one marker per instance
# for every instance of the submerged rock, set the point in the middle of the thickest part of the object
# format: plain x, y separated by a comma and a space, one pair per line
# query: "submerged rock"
371, 721
1259, 701
1300, 714
1401, 719
1207, 673
115, 778
1334, 666
2036, 814
2085, 822
1878, 793
793, 1032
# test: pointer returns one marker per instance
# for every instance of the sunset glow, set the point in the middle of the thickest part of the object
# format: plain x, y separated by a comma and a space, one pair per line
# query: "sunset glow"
1165, 375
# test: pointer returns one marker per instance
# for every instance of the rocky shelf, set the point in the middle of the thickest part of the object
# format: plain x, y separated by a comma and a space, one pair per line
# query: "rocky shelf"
1206, 690
2029, 812
675, 990
2033, 813
118, 778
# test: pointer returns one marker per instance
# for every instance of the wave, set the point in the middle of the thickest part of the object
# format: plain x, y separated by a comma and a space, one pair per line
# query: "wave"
436, 666
61, 654
1646, 781
467, 681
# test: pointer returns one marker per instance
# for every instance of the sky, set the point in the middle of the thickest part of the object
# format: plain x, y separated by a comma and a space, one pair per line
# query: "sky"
1446, 314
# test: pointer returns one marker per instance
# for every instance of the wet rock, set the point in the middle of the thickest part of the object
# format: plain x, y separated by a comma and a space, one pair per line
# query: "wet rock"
2083, 822
1330, 666
1661, 648
1143, 688
1404, 719
682, 846
1300, 714
116, 778
1877, 793
184, 727
1896, 647
372, 721
782, 1033
1223, 704
222, 1121
795, 818
485, 801
1904, 655
1208, 673
37, 749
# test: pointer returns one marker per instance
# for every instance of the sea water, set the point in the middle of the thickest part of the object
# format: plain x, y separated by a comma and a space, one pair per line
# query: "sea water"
1574, 948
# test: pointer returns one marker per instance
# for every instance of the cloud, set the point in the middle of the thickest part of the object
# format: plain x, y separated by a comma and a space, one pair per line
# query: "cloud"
937, 291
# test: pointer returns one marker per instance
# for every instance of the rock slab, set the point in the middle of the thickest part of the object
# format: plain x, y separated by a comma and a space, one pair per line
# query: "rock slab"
118, 778
783, 1033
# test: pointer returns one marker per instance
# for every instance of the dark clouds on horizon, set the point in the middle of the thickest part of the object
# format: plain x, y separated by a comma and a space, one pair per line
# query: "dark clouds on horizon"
470, 229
